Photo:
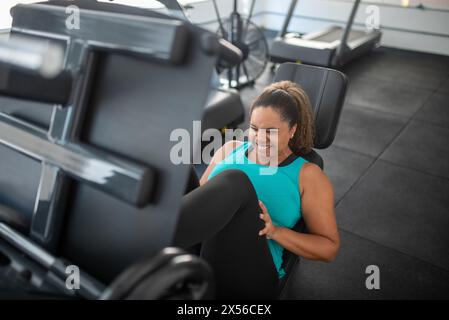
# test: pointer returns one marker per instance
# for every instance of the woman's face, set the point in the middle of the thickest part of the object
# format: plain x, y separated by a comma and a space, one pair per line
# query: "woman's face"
268, 132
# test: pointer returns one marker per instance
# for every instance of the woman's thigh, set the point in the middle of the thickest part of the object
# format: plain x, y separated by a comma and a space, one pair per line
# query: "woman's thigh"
223, 215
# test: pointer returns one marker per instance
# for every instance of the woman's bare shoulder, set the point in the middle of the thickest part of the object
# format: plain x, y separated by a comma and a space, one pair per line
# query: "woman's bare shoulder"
221, 153
310, 170
312, 175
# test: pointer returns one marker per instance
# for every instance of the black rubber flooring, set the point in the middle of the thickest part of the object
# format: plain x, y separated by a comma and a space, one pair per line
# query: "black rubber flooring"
389, 166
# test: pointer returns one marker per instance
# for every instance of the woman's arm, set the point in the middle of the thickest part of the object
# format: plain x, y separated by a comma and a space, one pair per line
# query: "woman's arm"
317, 204
221, 153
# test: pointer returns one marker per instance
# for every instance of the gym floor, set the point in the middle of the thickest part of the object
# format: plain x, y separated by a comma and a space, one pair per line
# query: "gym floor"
389, 165
389, 162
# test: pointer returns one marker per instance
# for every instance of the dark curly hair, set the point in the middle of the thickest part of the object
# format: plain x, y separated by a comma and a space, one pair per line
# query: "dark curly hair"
293, 104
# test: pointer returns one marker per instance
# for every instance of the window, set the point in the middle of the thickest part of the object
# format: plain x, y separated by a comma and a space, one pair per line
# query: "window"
5, 7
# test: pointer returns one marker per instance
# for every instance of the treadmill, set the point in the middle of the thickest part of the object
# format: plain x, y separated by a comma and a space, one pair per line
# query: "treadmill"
330, 47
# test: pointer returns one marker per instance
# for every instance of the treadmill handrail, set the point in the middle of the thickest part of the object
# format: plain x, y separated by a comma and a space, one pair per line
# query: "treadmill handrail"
291, 9
344, 38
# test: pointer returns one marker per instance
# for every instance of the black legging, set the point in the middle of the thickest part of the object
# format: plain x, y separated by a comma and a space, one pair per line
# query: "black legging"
223, 215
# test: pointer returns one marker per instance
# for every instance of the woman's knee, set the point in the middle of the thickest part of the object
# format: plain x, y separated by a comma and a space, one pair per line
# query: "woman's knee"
236, 178
239, 184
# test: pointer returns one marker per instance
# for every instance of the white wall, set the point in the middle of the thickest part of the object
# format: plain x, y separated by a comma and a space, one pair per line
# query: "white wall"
204, 13
403, 27
409, 28
5, 6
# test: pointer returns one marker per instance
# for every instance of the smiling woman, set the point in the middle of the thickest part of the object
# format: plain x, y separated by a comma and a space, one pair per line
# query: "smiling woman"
250, 213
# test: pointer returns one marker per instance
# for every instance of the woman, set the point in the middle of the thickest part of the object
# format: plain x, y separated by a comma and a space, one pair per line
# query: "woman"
243, 217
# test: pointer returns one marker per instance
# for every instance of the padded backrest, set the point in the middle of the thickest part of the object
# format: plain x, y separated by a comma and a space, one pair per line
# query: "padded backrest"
102, 184
326, 89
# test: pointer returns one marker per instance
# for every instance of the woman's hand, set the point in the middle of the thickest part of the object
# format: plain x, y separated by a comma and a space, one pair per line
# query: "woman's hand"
270, 229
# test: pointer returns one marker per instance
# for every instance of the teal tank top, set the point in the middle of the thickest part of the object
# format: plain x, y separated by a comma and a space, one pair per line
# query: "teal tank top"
279, 191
